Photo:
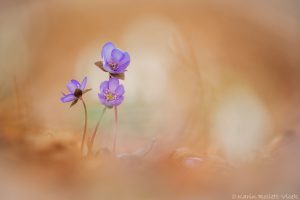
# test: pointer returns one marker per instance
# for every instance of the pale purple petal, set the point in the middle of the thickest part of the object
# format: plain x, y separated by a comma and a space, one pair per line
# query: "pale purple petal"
68, 98
121, 68
125, 59
101, 97
71, 87
118, 101
107, 68
120, 90
76, 83
106, 51
109, 103
117, 55
104, 86
104, 101
113, 84
83, 84
123, 64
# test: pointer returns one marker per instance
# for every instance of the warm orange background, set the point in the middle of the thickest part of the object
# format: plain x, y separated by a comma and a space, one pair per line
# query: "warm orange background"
216, 78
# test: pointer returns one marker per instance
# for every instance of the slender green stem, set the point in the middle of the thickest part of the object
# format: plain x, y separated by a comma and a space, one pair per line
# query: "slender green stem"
115, 129
85, 126
95, 131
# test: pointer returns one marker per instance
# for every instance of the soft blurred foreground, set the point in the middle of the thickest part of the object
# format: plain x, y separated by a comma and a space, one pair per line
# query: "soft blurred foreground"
211, 108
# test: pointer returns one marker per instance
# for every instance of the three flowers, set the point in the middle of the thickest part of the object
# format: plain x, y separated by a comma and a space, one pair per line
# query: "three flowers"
115, 62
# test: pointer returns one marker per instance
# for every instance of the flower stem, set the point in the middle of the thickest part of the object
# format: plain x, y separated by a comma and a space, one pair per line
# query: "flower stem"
95, 131
85, 126
115, 129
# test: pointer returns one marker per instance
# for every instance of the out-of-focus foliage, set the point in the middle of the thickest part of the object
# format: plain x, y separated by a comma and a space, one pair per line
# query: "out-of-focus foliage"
215, 84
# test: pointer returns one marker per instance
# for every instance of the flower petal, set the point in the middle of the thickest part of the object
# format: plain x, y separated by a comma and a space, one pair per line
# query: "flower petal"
103, 86
123, 64
118, 101
83, 83
71, 87
110, 104
107, 68
125, 59
122, 68
113, 84
68, 98
117, 55
106, 51
75, 82
104, 101
120, 90
101, 97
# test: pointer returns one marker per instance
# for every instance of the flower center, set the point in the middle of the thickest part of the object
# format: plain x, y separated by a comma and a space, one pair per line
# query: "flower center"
78, 93
110, 96
113, 66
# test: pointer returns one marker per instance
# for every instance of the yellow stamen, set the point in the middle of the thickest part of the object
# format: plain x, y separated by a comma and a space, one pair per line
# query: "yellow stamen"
110, 96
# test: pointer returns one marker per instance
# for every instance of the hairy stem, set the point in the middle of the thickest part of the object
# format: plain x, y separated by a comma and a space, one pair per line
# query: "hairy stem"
85, 126
115, 129
95, 131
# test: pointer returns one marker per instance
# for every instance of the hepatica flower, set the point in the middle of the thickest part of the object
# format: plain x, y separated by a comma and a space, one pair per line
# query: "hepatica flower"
111, 93
114, 60
76, 90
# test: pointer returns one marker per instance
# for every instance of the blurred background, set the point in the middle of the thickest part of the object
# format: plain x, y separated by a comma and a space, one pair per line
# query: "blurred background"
207, 79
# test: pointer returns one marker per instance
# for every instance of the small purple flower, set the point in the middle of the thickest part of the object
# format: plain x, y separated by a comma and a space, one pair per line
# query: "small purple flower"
115, 61
111, 93
76, 90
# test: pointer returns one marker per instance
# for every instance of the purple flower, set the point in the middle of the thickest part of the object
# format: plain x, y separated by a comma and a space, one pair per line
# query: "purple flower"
115, 61
111, 93
76, 90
